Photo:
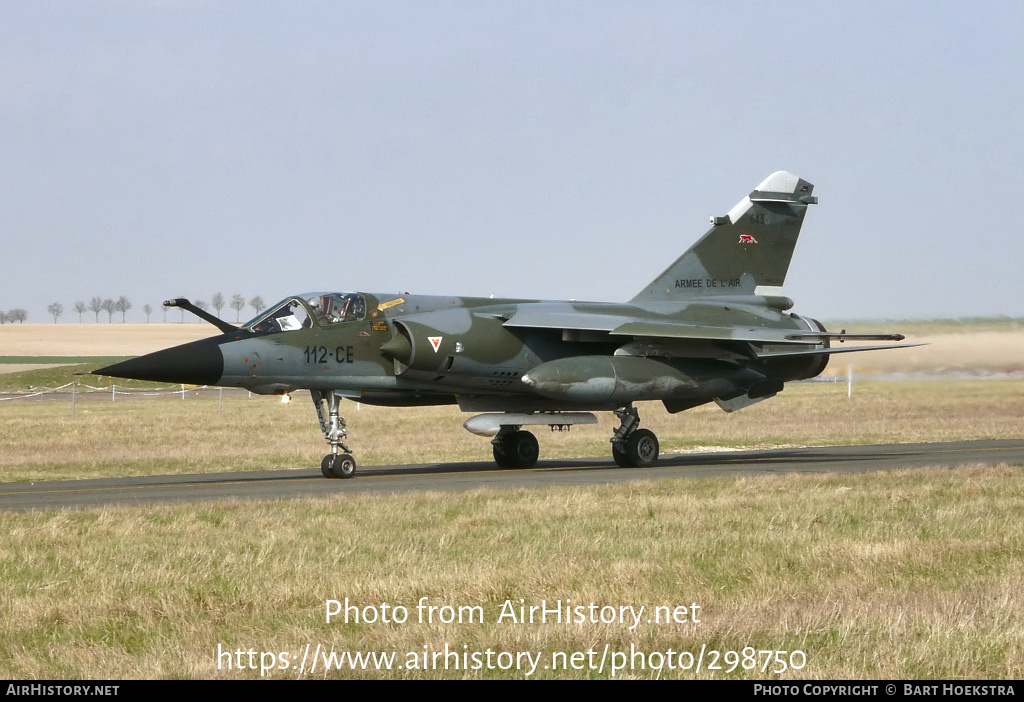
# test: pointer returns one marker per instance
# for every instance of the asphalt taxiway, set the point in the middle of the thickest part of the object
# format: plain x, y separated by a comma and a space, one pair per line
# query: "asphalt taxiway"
453, 477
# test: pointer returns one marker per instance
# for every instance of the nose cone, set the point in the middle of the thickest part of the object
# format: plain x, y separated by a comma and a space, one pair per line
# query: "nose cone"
196, 363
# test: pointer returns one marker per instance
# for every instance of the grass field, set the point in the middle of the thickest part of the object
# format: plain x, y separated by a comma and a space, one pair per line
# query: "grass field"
96, 339
903, 575
890, 575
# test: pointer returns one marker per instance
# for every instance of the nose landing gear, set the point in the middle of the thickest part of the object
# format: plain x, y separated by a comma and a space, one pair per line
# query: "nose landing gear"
336, 464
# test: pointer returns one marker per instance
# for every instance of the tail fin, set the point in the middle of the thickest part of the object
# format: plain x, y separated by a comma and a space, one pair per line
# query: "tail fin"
750, 247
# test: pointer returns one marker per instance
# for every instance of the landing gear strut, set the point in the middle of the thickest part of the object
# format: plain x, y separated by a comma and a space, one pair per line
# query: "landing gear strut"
633, 447
334, 464
515, 448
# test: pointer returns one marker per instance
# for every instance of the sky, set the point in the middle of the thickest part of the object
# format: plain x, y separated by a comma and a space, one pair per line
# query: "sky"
557, 149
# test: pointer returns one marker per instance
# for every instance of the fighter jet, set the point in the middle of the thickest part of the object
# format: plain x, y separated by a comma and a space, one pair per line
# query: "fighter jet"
713, 327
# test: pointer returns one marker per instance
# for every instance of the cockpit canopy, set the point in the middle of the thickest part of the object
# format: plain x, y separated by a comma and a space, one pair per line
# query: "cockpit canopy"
323, 309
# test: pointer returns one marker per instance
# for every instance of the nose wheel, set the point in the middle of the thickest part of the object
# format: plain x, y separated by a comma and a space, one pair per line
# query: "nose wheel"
339, 463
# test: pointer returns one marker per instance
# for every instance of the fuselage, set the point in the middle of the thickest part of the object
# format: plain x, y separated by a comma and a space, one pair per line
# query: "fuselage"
523, 355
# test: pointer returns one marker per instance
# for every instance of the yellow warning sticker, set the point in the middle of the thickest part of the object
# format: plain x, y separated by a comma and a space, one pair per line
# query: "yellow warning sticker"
390, 303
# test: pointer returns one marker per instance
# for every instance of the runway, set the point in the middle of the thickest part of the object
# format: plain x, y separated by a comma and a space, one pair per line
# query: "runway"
455, 477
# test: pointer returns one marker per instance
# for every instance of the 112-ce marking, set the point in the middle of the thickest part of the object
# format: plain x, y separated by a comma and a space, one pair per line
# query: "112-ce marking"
322, 354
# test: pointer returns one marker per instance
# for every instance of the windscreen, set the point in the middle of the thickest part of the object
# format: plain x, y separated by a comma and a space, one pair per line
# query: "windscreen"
287, 315
322, 309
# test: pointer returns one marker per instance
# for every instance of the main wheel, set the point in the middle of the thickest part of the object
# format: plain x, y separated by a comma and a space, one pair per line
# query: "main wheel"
620, 457
341, 465
517, 450
527, 449
642, 448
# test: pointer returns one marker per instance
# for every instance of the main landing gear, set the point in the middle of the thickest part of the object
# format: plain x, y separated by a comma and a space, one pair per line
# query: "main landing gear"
633, 447
515, 448
335, 464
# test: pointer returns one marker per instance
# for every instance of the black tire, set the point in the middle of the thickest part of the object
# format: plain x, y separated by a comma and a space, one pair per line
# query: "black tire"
345, 466
342, 466
620, 457
517, 450
642, 448
527, 449
327, 466
503, 453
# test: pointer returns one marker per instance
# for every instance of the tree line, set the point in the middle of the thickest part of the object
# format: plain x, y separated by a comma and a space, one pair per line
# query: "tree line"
122, 304
12, 316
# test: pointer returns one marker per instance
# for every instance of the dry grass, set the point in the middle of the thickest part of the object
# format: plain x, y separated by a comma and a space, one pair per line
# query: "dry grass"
903, 575
96, 339
976, 352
